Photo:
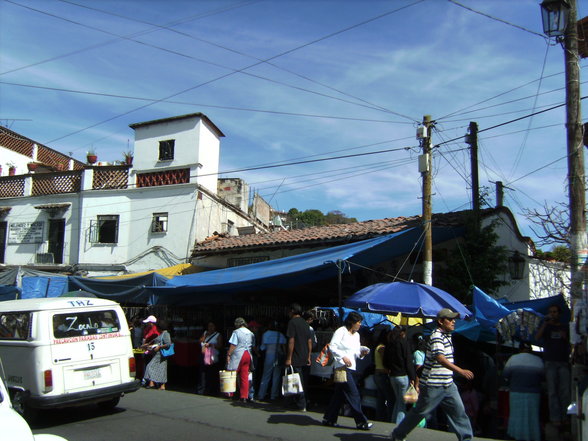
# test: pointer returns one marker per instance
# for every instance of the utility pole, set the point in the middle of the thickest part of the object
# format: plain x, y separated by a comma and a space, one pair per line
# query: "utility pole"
472, 140
575, 150
425, 167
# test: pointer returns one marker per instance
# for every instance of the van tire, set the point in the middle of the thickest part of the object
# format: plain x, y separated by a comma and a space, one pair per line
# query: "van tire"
19, 403
109, 404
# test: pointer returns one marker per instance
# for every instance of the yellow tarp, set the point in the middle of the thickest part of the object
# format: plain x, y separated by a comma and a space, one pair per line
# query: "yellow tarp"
169, 272
404, 320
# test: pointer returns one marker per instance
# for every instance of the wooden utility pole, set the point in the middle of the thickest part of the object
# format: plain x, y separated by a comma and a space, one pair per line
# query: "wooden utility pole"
472, 140
575, 150
426, 167
474, 164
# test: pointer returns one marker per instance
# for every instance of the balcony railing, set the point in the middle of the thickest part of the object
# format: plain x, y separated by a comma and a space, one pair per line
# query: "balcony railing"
55, 183
40, 184
12, 186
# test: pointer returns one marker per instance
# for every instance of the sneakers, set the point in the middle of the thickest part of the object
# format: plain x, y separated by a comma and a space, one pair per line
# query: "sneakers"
330, 423
364, 426
395, 438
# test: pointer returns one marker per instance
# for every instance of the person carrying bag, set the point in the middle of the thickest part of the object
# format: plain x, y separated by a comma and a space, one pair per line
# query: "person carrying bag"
291, 383
346, 348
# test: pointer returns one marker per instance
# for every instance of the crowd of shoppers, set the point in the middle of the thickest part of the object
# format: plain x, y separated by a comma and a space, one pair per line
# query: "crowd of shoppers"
449, 395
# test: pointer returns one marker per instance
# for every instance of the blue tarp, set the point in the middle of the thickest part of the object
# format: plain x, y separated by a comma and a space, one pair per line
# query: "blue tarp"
487, 310
41, 286
131, 290
370, 319
9, 292
222, 286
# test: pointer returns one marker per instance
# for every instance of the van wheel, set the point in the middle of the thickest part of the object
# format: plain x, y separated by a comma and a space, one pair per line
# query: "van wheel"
19, 403
109, 404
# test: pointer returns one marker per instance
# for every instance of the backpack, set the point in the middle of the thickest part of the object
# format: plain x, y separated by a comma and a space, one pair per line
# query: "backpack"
325, 358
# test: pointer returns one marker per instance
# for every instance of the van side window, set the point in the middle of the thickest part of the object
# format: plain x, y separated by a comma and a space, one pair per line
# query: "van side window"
15, 325
76, 324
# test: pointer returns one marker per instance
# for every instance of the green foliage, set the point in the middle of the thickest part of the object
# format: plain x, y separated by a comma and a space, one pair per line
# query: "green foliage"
314, 217
477, 261
559, 253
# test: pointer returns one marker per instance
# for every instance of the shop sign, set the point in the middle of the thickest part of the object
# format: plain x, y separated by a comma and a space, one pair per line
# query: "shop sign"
25, 232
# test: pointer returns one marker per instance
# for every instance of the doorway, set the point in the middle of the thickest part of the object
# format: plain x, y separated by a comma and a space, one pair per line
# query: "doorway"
56, 239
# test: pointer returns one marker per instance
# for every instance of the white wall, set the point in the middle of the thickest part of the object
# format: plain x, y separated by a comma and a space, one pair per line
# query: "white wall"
8, 156
195, 144
23, 211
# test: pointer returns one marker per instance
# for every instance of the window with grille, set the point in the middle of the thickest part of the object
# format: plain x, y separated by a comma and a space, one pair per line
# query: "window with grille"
159, 223
104, 229
166, 150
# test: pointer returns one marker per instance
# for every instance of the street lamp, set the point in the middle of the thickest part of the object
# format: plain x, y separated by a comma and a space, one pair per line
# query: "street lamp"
516, 264
555, 17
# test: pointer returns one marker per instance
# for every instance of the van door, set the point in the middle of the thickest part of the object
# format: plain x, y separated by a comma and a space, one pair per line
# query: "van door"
90, 348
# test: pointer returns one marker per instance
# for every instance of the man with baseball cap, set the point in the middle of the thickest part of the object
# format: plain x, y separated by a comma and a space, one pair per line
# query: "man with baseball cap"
436, 384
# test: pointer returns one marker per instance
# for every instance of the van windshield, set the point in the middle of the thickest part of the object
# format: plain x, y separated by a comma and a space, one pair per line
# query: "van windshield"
75, 324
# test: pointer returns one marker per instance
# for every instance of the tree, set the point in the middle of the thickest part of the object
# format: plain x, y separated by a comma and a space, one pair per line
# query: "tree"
551, 224
477, 260
314, 218
338, 217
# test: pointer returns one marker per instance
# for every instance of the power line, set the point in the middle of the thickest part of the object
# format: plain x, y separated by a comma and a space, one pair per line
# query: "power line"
241, 70
231, 50
498, 19
243, 109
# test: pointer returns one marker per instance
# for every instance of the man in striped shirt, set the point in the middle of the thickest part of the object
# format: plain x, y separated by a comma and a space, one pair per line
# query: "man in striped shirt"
436, 384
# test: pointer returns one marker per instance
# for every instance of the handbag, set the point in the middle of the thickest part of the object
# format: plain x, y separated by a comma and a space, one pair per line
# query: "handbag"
209, 357
166, 353
291, 383
325, 358
340, 375
411, 395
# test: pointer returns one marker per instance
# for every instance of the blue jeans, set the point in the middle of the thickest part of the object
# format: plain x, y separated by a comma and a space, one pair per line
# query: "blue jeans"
271, 374
429, 398
384, 398
345, 392
399, 386
557, 374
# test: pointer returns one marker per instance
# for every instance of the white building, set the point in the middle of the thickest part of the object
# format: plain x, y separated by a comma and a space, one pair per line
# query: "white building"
121, 218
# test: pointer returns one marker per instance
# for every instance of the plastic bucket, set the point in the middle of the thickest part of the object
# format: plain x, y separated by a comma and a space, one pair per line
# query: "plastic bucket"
228, 381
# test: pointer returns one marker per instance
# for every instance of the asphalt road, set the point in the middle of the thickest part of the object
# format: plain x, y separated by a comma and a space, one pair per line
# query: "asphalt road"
153, 415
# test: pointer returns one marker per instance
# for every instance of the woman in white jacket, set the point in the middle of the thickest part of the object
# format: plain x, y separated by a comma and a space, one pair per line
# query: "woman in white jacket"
346, 348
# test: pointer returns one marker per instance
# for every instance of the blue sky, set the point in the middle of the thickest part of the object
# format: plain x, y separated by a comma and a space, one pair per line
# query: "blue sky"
288, 81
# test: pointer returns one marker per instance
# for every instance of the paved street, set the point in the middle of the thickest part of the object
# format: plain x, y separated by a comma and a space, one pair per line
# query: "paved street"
152, 415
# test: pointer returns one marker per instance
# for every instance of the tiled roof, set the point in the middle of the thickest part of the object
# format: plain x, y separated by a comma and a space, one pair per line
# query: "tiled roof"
45, 155
341, 233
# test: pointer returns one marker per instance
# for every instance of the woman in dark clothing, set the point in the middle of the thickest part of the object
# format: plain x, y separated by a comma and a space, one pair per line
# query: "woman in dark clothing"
398, 361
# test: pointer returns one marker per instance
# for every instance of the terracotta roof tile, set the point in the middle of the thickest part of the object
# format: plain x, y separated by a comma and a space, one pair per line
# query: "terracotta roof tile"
341, 233
45, 155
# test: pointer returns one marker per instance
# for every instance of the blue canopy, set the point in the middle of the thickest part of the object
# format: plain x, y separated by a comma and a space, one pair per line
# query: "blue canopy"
224, 285
409, 298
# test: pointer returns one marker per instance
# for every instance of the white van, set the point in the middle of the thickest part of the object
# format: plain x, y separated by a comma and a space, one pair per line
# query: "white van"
65, 351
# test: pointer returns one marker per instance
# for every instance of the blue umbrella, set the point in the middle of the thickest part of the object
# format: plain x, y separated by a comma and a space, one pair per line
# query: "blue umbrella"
408, 298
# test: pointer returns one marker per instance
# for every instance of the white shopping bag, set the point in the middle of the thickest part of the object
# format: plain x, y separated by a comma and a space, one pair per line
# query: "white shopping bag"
291, 383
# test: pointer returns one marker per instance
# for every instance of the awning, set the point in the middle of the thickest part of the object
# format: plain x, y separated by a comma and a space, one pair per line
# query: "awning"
225, 285
220, 285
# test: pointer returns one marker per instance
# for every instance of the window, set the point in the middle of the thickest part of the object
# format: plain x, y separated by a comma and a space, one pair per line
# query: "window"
166, 150
77, 324
104, 229
159, 223
229, 227
15, 325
